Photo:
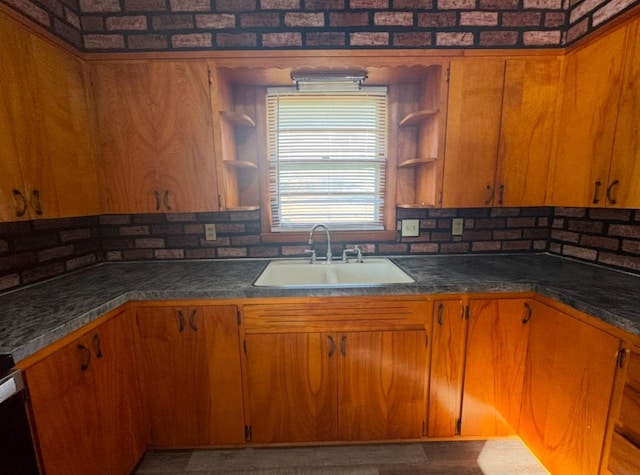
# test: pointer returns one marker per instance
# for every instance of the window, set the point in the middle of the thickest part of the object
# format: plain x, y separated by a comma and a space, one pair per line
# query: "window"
327, 158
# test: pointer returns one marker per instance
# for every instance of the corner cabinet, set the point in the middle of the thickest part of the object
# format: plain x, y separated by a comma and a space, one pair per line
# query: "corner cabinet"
350, 370
568, 382
419, 109
85, 402
155, 136
189, 359
239, 122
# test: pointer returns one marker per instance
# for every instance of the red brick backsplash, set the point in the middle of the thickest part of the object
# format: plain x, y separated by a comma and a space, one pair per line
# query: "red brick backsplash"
162, 25
605, 236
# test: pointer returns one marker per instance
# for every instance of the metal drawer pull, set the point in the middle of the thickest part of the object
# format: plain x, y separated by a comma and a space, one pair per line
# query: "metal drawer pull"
332, 347
180, 321
165, 200
97, 348
440, 314
192, 320
35, 202
610, 189
527, 313
21, 203
157, 196
343, 346
85, 364
491, 191
596, 192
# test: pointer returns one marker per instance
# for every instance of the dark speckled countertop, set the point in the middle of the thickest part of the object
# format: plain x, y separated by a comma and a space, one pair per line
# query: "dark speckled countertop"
33, 317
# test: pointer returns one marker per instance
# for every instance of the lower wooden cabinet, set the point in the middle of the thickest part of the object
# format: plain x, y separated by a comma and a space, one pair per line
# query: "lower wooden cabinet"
568, 382
191, 378
494, 366
85, 404
352, 385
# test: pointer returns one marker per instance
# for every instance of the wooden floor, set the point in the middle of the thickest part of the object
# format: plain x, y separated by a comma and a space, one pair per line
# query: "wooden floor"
491, 457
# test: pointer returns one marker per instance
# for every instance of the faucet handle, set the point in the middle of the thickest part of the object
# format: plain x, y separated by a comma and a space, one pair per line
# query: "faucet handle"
355, 250
313, 254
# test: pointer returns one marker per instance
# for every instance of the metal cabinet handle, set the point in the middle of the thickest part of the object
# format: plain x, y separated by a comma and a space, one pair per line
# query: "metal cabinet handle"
491, 191
180, 321
192, 320
165, 200
156, 193
610, 189
440, 314
332, 347
596, 192
527, 313
501, 195
343, 346
34, 202
87, 357
21, 203
97, 348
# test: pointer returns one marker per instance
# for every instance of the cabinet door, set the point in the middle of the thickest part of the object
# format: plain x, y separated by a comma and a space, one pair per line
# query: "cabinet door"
587, 122
67, 172
293, 387
186, 356
126, 137
526, 131
123, 438
65, 412
181, 106
382, 385
447, 368
473, 126
494, 370
625, 163
567, 389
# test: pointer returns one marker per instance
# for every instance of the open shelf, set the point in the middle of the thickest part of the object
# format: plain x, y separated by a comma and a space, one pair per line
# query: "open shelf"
239, 164
417, 162
237, 119
418, 117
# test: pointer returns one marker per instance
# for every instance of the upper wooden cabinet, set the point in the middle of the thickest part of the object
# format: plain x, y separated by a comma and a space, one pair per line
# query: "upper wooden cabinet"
155, 136
587, 124
499, 131
45, 131
473, 126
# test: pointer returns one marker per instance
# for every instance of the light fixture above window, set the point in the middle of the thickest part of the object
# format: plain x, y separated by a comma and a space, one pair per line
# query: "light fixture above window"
328, 80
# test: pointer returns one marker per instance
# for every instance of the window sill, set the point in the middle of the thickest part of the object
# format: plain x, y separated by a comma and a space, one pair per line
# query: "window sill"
336, 236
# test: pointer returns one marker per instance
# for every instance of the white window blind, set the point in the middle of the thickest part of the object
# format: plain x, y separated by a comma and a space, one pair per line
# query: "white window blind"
327, 158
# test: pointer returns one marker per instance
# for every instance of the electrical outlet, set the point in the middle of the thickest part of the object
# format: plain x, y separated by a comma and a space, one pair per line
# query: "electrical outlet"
210, 232
410, 228
456, 226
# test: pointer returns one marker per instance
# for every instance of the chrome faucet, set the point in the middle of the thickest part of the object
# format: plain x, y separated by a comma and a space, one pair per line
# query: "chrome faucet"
326, 230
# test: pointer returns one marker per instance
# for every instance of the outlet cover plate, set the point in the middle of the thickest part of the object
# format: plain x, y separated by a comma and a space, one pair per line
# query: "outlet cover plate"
456, 226
210, 232
410, 228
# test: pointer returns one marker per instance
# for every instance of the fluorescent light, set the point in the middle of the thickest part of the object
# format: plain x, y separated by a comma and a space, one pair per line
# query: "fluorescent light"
328, 80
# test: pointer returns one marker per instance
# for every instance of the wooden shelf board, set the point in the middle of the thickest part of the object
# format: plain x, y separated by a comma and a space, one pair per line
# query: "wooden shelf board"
418, 117
239, 164
416, 162
238, 119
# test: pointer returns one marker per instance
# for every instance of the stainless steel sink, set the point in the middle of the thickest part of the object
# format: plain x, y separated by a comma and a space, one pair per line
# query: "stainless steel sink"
295, 273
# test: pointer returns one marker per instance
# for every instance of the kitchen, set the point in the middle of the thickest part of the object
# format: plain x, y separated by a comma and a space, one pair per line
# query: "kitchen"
128, 227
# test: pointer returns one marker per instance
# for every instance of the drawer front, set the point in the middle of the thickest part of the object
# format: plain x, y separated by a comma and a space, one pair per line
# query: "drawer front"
624, 458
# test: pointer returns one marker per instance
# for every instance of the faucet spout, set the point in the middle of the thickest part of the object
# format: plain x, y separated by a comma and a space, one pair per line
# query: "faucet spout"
326, 230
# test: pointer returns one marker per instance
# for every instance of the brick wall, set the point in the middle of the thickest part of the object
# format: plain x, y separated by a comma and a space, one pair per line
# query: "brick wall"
160, 25
605, 236
31, 251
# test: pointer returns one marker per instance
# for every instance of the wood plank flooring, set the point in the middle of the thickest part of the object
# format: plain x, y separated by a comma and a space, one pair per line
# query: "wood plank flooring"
482, 457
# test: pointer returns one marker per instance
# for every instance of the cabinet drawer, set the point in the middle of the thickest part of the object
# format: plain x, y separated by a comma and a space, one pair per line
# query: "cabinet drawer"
324, 315
625, 457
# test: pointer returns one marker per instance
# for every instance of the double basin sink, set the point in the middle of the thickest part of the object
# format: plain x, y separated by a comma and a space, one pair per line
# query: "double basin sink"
298, 273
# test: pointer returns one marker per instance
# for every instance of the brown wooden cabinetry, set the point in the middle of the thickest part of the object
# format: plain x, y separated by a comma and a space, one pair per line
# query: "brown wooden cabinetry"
587, 124
315, 375
85, 404
447, 367
155, 136
189, 361
45, 131
568, 383
494, 369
